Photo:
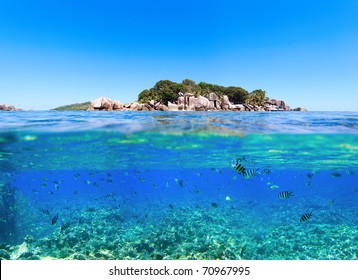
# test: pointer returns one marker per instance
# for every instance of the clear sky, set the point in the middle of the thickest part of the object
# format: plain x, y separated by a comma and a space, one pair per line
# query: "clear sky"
55, 53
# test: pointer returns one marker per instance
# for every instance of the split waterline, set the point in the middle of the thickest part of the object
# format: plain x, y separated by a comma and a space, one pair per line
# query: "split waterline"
160, 185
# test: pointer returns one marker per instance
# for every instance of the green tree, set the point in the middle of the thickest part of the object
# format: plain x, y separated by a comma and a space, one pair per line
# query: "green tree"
145, 96
207, 88
163, 91
188, 83
74, 107
257, 97
237, 95
166, 90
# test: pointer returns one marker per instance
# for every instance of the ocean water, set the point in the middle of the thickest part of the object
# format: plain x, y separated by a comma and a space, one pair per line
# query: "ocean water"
162, 185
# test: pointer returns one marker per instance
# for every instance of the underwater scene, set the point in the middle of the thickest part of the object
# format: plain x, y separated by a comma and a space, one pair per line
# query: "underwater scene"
179, 185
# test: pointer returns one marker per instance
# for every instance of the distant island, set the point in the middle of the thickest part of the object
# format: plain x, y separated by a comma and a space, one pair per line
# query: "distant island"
74, 107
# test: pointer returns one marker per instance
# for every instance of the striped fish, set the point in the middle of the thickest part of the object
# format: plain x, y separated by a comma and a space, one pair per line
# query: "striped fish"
235, 163
305, 217
54, 219
284, 195
249, 173
65, 226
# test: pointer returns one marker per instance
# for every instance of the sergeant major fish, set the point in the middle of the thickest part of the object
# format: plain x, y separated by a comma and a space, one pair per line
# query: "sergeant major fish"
54, 219
235, 163
305, 217
249, 173
284, 195
65, 226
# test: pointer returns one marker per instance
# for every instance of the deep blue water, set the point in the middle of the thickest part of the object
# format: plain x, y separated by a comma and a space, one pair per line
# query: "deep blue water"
158, 185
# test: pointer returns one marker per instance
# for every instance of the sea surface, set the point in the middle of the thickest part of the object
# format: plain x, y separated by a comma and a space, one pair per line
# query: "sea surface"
179, 185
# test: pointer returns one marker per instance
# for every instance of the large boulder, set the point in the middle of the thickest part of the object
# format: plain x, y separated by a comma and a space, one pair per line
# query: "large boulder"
249, 107
212, 96
172, 106
202, 103
189, 101
135, 106
5, 107
238, 107
147, 107
279, 103
181, 101
276, 105
300, 109
211, 105
102, 103
162, 107
225, 103
117, 105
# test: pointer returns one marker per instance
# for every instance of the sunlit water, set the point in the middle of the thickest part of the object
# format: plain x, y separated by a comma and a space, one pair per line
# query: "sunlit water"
158, 185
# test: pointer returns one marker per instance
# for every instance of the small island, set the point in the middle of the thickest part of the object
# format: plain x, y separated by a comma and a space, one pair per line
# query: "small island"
166, 95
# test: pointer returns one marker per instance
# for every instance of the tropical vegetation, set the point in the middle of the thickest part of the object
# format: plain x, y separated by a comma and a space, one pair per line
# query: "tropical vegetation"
74, 107
166, 90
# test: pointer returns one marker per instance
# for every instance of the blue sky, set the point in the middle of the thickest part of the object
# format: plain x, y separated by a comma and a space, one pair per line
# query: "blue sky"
54, 53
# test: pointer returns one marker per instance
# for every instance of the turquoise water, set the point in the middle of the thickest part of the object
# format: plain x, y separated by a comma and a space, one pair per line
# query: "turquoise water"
158, 185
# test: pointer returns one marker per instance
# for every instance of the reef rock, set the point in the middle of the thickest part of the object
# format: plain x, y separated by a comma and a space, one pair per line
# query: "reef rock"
4, 255
21, 250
